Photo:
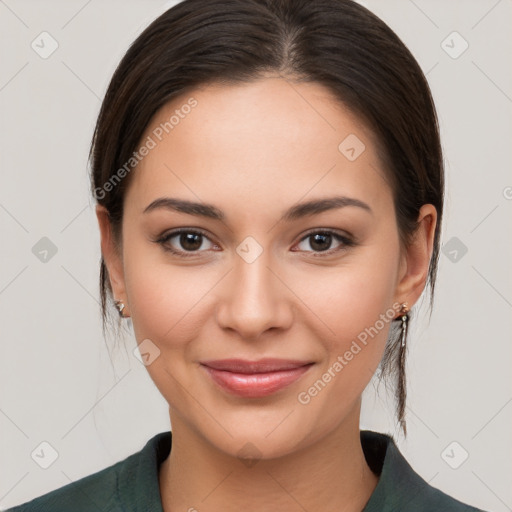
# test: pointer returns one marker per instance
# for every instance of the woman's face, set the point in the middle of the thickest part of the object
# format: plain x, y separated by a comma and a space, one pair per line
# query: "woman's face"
262, 279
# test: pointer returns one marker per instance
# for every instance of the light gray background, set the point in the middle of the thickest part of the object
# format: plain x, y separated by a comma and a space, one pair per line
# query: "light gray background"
58, 381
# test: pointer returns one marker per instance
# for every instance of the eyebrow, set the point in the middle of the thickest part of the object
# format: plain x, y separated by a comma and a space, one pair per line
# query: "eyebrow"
298, 211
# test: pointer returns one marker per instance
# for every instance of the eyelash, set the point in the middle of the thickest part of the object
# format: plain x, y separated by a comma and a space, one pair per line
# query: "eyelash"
344, 239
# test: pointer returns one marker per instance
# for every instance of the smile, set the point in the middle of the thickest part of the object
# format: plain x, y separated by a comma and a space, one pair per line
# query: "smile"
254, 379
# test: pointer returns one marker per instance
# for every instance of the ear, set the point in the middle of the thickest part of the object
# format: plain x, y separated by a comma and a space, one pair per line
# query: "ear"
416, 259
112, 256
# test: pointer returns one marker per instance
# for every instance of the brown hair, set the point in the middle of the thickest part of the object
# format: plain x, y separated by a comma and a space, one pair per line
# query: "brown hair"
336, 43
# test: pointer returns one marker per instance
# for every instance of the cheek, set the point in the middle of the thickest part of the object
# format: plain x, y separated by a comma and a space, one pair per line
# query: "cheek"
165, 298
354, 308
168, 306
353, 295
358, 310
165, 302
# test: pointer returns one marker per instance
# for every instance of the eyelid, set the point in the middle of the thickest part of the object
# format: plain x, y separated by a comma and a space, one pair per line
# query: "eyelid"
331, 231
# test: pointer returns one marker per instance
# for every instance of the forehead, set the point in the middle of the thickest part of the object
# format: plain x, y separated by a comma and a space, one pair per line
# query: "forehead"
267, 138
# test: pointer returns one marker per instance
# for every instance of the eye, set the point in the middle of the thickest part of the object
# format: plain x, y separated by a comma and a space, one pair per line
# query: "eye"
190, 242
320, 242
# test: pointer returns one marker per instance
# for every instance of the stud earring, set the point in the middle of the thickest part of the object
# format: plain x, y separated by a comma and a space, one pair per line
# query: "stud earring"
405, 319
120, 306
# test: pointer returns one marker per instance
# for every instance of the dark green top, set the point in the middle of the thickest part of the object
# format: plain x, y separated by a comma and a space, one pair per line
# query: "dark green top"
131, 485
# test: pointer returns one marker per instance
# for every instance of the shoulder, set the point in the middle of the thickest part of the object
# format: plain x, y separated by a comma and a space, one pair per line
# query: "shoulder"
110, 488
93, 492
399, 486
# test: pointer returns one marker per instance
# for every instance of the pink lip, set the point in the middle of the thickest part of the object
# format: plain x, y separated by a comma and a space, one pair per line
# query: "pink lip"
255, 378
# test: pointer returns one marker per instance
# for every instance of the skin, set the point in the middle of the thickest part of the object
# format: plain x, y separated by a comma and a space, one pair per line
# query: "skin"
254, 150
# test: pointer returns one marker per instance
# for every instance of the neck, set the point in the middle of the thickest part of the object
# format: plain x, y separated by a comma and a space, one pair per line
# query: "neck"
330, 475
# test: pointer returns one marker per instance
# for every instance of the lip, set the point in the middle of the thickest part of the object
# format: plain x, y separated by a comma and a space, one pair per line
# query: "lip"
254, 379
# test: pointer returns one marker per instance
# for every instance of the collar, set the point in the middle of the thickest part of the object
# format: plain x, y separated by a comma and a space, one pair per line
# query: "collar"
399, 486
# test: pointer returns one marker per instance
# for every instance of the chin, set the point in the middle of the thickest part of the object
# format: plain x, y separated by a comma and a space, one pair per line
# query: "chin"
267, 435
250, 446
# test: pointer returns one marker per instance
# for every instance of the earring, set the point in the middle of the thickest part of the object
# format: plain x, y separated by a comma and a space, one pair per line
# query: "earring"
402, 385
120, 306
405, 319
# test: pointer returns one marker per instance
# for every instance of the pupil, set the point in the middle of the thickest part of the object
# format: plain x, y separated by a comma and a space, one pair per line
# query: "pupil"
318, 238
188, 243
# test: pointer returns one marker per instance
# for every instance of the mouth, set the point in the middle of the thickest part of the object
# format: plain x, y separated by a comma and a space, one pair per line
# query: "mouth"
255, 379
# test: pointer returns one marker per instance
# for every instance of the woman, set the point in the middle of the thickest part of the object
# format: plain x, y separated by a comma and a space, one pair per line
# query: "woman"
269, 183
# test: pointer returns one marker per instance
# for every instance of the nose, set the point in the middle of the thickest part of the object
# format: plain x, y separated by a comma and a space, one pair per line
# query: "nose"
254, 299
